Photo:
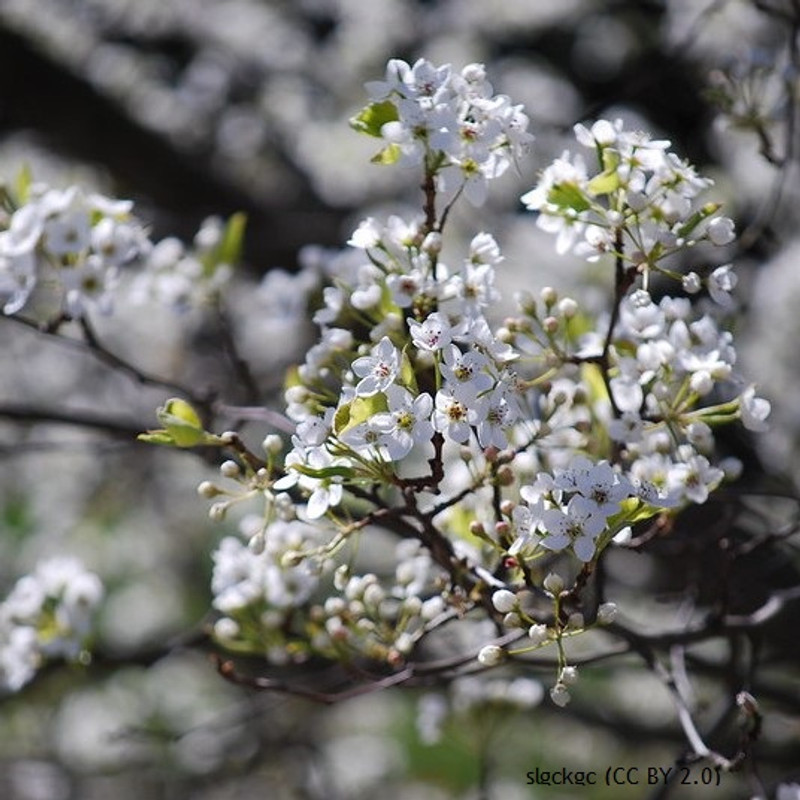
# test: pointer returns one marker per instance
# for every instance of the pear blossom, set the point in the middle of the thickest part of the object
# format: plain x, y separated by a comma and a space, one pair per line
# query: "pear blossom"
378, 370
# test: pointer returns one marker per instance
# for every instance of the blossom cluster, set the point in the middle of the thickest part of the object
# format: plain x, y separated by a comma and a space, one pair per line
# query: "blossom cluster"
65, 253
641, 204
74, 242
47, 615
487, 446
491, 449
266, 598
451, 121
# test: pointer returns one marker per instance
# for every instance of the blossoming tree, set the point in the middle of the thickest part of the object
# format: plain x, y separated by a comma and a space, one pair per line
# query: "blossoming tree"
496, 462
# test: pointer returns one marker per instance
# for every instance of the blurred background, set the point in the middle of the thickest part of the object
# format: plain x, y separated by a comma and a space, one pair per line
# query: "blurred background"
209, 107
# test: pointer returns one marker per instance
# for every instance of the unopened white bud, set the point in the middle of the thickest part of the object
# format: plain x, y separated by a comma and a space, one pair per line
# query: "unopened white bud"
340, 577
692, 283
257, 543
721, 231
606, 613
296, 394
537, 633
208, 490
226, 629
433, 243
491, 655
575, 621
373, 595
411, 605
568, 307
732, 467
284, 506
549, 296
560, 695
432, 607
512, 620
554, 584
504, 600
272, 444
569, 675
217, 511
292, 558
229, 469
701, 382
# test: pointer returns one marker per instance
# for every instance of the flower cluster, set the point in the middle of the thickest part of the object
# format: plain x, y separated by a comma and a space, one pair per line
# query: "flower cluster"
70, 242
451, 121
264, 598
491, 450
641, 204
182, 277
572, 508
48, 614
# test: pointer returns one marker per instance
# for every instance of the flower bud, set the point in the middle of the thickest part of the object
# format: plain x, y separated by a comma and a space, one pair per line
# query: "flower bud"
491, 655
606, 613
257, 543
433, 243
272, 444
550, 324
569, 675
575, 621
226, 629
229, 469
567, 307
554, 584
505, 475
692, 283
504, 601
537, 634
476, 528
340, 577
292, 558
559, 695
208, 490
549, 296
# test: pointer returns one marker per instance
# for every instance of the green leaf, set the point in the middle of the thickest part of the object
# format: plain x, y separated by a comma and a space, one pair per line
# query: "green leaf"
605, 183
387, 156
22, 184
568, 195
324, 472
372, 118
182, 423
357, 411
229, 250
407, 376
592, 376
701, 214
156, 437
